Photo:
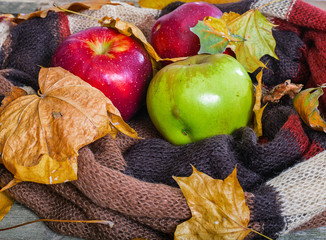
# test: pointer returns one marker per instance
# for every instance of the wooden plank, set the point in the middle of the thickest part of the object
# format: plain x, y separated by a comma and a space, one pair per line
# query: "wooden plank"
18, 7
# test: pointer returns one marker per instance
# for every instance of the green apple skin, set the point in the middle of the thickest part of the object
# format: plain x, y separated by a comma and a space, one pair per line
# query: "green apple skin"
200, 97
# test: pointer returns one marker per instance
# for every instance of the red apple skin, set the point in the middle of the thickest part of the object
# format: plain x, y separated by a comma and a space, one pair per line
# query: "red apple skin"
112, 62
171, 36
229, 51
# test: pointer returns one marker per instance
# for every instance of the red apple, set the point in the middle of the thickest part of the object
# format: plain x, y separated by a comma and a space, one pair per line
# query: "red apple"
112, 62
171, 36
229, 51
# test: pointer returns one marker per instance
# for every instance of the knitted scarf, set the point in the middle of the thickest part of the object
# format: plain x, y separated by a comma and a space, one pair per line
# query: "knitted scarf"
129, 181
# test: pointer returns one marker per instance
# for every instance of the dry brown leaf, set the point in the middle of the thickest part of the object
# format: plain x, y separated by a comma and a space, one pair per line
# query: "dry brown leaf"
163, 3
40, 135
306, 104
286, 88
76, 7
218, 208
8, 17
258, 110
129, 29
16, 92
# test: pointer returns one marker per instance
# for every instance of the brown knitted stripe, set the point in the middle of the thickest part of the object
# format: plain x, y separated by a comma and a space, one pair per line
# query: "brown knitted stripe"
47, 204
128, 195
54, 202
124, 227
316, 222
65, 201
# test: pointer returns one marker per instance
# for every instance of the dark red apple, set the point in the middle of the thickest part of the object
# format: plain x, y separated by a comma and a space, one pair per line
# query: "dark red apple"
112, 62
171, 36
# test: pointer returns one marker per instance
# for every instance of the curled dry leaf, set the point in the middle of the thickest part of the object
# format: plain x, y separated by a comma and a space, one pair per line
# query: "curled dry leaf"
286, 88
40, 135
15, 92
163, 3
306, 104
129, 29
76, 7
258, 110
218, 208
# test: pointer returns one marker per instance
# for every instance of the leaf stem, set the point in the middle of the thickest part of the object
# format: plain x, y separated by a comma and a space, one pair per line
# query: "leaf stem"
81, 14
260, 234
57, 220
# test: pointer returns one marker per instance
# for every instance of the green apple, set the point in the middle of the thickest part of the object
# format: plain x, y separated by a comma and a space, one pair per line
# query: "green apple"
200, 97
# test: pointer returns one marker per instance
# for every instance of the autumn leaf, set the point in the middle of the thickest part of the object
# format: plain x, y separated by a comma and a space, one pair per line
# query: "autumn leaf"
214, 34
257, 31
306, 104
40, 135
258, 110
15, 92
281, 90
129, 29
218, 208
163, 3
249, 35
5, 204
76, 7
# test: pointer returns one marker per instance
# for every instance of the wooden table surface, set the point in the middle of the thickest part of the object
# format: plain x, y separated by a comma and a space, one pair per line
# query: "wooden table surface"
39, 231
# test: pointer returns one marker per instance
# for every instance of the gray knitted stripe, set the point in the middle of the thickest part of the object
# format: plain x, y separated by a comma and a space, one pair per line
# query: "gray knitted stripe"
280, 9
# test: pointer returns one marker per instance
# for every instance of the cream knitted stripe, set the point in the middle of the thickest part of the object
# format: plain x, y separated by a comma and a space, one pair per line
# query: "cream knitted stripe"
278, 9
4, 31
143, 18
302, 190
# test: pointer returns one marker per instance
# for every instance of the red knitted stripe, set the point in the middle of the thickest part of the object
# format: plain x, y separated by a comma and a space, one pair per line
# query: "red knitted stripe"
313, 20
286, 26
64, 29
316, 59
314, 149
293, 124
307, 15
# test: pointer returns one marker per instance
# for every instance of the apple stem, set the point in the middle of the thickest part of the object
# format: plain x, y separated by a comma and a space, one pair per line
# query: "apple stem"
81, 14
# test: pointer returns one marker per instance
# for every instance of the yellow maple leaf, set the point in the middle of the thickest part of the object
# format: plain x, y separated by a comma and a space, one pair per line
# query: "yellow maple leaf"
218, 208
249, 35
259, 41
40, 135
